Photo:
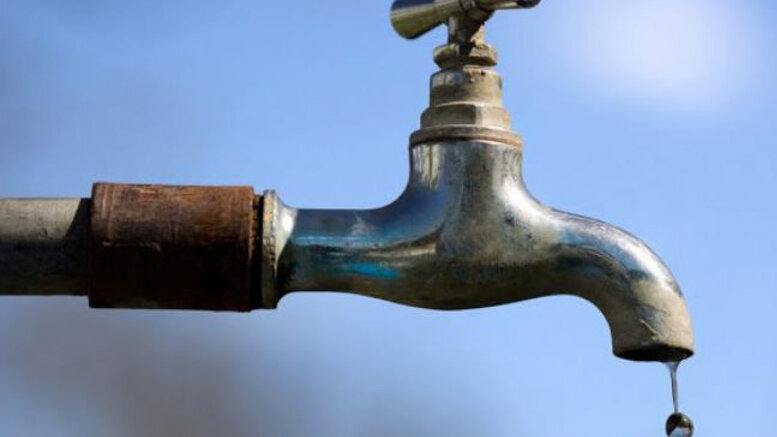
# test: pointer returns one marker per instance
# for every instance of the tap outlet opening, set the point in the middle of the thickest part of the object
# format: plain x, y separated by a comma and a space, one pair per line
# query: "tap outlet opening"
656, 353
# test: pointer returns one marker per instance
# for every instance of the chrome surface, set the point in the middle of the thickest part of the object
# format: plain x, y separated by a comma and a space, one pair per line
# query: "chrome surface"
466, 233
413, 18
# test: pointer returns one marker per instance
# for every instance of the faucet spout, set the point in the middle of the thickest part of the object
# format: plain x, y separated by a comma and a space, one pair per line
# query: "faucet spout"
466, 233
628, 283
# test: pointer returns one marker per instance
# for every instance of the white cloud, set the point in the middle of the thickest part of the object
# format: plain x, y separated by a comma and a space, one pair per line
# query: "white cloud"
689, 55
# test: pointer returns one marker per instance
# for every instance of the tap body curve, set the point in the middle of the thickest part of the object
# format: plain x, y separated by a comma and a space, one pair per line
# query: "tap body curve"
466, 233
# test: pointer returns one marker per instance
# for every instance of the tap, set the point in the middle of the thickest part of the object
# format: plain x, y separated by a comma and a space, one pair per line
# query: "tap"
465, 233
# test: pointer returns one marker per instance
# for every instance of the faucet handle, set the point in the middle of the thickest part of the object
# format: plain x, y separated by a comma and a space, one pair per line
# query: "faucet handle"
413, 18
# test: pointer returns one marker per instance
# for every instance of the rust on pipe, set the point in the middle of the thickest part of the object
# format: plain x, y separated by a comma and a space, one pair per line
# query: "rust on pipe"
173, 247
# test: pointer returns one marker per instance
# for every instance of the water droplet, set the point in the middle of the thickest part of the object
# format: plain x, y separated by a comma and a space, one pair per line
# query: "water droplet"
679, 425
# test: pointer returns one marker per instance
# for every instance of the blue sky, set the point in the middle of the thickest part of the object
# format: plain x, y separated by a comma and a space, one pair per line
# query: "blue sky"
656, 116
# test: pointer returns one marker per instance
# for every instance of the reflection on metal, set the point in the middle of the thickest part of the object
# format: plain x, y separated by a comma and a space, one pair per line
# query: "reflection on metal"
477, 238
465, 233
413, 18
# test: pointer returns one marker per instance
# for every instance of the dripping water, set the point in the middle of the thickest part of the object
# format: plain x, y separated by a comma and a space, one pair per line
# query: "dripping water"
677, 424
673, 365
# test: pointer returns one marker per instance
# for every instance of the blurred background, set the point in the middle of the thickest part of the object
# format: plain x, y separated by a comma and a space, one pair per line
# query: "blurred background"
658, 116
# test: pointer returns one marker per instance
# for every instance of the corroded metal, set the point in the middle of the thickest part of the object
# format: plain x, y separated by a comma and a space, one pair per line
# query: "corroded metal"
172, 247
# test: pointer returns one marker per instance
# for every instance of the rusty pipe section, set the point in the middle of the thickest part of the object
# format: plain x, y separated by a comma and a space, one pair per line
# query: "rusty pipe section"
173, 247
135, 246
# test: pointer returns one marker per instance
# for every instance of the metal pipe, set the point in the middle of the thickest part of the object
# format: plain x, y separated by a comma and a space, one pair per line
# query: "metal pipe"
44, 246
173, 247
